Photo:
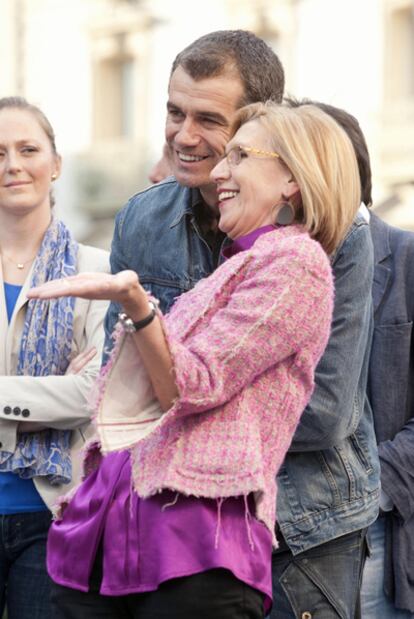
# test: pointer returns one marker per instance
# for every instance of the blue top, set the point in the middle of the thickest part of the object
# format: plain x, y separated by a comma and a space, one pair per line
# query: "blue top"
17, 495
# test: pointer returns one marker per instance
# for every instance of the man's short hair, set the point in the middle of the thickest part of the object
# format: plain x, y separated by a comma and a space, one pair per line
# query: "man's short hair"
351, 126
257, 65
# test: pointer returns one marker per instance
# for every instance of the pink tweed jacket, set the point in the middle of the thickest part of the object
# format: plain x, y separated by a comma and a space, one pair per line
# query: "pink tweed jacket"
245, 342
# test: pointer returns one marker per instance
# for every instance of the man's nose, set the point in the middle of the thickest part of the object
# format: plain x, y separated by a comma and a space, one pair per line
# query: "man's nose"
188, 134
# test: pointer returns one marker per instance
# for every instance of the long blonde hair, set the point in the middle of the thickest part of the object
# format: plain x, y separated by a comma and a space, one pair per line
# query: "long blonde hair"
322, 160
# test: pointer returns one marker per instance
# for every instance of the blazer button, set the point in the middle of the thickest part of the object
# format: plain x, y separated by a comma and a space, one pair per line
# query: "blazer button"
7, 410
25, 412
16, 410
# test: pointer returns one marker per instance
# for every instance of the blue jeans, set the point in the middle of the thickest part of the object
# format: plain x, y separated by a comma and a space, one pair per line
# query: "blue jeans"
374, 602
322, 582
24, 582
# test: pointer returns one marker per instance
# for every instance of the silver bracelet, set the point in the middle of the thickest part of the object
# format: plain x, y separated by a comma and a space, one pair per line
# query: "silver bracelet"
130, 326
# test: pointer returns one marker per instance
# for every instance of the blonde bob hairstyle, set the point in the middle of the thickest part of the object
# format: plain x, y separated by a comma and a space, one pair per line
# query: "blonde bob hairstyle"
321, 158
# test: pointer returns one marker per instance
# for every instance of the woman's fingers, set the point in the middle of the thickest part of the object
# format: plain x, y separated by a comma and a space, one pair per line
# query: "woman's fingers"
78, 363
88, 286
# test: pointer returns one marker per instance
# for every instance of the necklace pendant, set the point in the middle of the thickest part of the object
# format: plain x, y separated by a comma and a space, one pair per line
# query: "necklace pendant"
20, 265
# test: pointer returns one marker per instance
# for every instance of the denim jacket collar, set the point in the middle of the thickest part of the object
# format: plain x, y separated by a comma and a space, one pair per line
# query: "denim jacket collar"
185, 208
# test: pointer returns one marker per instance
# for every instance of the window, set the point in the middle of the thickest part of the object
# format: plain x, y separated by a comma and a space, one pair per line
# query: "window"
113, 100
400, 55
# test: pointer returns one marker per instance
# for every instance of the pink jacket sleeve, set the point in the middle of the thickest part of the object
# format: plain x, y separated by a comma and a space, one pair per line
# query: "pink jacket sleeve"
282, 306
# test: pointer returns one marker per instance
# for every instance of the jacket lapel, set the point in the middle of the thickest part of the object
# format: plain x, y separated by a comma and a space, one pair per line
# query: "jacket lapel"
382, 259
10, 333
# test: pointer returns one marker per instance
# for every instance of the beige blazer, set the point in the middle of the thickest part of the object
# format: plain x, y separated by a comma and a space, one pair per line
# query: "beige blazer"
51, 401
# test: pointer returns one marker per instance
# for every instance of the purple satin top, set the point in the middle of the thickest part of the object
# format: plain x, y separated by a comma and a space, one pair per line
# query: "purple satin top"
148, 541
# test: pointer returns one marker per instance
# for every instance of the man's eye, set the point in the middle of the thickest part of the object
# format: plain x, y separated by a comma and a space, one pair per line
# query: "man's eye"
209, 121
175, 113
29, 149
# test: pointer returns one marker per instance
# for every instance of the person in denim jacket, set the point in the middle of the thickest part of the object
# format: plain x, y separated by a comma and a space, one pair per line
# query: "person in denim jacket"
387, 589
329, 484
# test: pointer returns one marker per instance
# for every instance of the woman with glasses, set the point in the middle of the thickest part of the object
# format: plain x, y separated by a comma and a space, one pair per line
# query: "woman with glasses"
181, 524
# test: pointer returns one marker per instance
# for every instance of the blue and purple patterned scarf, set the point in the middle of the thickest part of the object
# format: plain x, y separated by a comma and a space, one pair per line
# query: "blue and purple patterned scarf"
45, 350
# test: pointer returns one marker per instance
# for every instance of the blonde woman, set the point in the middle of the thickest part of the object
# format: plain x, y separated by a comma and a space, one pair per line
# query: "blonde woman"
182, 524
43, 415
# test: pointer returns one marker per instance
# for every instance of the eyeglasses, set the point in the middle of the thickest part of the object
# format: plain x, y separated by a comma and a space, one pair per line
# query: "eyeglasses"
237, 153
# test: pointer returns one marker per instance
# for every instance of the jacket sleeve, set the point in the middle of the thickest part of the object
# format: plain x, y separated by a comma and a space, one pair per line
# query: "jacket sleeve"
277, 309
58, 402
334, 411
397, 469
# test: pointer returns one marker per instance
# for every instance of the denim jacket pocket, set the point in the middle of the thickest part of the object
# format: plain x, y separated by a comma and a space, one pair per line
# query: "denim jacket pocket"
360, 449
334, 477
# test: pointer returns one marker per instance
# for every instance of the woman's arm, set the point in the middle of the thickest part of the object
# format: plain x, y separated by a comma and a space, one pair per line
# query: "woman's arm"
282, 303
280, 309
124, 288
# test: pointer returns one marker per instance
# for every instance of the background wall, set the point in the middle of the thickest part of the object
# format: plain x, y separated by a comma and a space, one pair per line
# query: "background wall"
99, 69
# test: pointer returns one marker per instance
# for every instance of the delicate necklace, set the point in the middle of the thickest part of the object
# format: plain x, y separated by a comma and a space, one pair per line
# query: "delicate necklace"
19, 265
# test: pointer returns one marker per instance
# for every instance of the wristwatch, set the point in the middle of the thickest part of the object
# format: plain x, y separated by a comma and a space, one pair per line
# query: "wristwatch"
132, 327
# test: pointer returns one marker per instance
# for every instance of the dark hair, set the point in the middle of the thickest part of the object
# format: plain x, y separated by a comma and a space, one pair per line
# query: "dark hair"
19, 103
351, 127
257, 65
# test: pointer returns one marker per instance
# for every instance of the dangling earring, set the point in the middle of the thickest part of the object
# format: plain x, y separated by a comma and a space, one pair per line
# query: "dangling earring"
286, 214
54, 176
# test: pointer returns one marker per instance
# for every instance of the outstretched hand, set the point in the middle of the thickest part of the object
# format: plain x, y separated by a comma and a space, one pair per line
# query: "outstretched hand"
121, 288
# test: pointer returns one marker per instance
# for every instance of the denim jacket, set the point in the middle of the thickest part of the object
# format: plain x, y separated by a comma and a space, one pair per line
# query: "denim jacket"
328, 485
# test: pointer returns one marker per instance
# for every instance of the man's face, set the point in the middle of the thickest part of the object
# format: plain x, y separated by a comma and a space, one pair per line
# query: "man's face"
199, 117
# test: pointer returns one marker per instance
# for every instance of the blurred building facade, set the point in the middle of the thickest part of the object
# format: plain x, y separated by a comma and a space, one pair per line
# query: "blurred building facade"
100, 68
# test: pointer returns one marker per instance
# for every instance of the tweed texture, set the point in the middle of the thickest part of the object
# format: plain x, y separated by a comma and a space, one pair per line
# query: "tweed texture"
245, 343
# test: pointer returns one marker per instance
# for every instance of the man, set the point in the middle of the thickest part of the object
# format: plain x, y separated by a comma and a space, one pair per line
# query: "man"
168, 234
388, 584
